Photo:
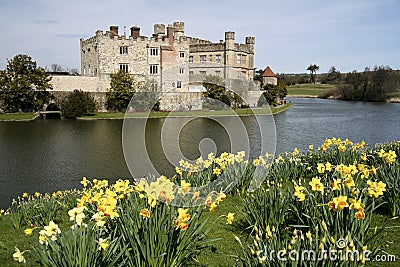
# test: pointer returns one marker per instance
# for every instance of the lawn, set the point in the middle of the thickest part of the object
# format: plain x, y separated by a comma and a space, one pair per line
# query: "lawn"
163, 114
313, 90
16, 116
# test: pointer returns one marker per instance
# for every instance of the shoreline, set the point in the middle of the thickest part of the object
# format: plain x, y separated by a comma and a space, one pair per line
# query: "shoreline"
190, 114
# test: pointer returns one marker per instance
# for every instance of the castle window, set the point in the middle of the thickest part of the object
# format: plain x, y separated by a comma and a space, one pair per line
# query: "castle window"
218, 72
203, 58
123, 50
181, 71
190, 59
153, 51
178, 84
244, 58
203, 72
218, 58
239, 59
124, 67
153, 69
181, 54
191, 72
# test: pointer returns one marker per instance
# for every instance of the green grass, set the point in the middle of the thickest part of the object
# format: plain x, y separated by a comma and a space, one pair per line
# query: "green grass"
163, 114
16, 116
309, 89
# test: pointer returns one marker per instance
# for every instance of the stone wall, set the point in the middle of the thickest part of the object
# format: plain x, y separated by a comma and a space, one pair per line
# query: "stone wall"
69, 83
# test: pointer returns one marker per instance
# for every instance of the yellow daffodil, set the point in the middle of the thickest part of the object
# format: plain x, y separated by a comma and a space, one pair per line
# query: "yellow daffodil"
298, 192
145, 213
184, 188
183, 218
336, 185
338, 203
230, 217
213, 206
316, 185
84, 182
28, 231
217, 171
103, 244
375, 189
321, 168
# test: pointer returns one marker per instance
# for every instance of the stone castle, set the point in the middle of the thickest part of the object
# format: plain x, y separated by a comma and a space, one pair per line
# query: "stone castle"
176, 62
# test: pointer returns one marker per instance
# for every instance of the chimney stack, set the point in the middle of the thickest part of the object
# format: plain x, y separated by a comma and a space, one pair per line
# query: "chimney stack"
170, 33
135, 32
114, 29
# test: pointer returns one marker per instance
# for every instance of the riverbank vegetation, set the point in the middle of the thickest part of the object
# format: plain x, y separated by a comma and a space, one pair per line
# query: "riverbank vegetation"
379, 83
341, 196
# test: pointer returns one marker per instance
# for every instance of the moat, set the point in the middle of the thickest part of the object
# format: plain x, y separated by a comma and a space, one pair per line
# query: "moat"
53, 155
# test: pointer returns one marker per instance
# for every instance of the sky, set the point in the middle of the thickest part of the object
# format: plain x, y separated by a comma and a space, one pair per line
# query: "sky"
290, 34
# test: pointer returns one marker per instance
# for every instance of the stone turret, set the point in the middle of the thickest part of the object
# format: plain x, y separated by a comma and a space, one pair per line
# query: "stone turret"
250, 40
159, 30
179, 29
230, 40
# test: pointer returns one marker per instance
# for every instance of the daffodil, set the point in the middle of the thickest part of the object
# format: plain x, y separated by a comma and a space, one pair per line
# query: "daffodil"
375, 189
321, 167
77, 215
183, 218
338, 203
28, 231
217, 171
84, 182
316, 185
184, 188
145, 213
103, 244
336, 185
298, 192
230, 217
213, 206
18, 255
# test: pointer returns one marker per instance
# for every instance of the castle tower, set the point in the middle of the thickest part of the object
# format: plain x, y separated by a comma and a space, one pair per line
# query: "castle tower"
250, 41
159, 30
179, 29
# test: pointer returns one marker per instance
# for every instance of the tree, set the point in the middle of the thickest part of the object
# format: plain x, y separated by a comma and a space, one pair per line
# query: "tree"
24, 85
215, 89
57, 68
334, 76
313, 70
78, 104
273, 93
122, 89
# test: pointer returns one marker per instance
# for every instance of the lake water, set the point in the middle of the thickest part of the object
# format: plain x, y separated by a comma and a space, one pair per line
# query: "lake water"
51, 155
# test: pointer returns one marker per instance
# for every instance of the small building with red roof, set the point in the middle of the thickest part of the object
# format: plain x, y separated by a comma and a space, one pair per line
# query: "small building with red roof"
269, 77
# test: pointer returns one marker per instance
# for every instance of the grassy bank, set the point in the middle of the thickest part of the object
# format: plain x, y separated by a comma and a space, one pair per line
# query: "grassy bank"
163, 114
322, 195
310, 90
16, 116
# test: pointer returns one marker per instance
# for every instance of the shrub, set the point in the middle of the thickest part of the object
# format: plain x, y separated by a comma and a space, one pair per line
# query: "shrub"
77, 104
